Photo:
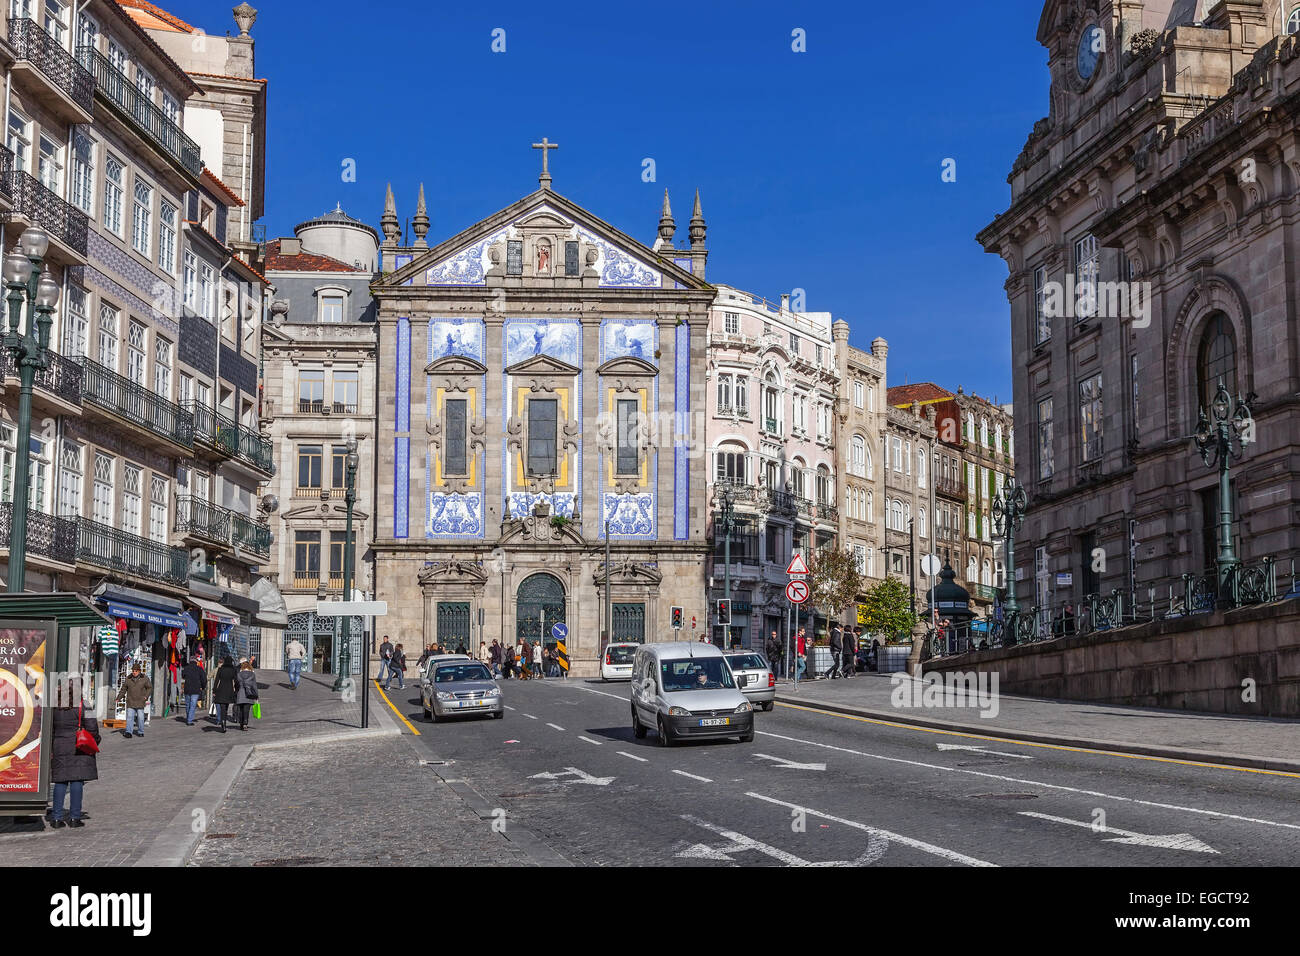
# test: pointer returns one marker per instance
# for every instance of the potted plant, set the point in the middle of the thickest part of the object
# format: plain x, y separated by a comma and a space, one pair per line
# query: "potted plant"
888, 611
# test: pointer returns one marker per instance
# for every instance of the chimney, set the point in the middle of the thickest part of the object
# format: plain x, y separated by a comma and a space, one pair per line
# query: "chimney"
291, 247
785, 302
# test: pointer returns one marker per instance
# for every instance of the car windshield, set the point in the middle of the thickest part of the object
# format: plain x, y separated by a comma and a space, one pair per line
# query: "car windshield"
447, 673
621, 654
700, 673
743, 662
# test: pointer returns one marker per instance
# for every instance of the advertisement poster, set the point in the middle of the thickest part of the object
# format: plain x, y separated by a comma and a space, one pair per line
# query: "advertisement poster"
22, 689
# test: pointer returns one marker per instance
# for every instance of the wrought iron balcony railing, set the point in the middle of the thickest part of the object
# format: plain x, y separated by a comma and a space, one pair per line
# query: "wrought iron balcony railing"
248, 535
103, 387
47, 535
61, 378
32, 43
828, 512
198, 516
215, 429
114, 550
6, 167
41, 206
950, 487
140, 110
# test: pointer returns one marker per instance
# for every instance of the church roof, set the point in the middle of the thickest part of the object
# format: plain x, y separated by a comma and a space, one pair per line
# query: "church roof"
303, 262
927, 393
337, 217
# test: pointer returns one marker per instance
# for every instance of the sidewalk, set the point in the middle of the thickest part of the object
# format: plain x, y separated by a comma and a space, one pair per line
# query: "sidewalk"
1262, 742
152, 790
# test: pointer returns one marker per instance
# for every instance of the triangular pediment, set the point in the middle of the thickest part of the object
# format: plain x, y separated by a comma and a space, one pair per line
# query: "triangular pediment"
466, 258
543, 365
455, 365
627, 365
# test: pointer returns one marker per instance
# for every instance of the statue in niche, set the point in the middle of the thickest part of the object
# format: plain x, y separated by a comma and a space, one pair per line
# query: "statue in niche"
543, 257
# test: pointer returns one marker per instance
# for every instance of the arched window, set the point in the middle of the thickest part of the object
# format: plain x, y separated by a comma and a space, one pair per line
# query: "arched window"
1216, 360
1293, 21
920, 522
986, 577
984, 432
731, 465
896, 515
869, 471
871, 515
858, 455
823, 485
972, 569
907, 516
920, 467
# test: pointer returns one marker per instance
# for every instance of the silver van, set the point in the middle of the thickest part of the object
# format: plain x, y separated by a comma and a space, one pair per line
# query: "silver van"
685, 690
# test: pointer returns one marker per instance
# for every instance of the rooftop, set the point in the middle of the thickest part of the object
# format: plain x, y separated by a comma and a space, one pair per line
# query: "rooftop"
927, 393
304, 262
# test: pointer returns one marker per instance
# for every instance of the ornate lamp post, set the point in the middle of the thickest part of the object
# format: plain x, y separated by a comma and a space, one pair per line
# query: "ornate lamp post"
26, 279
1219, 441
728, 500
1008, 515
350, 496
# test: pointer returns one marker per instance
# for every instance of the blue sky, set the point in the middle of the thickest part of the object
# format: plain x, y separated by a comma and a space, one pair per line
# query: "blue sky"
817, 170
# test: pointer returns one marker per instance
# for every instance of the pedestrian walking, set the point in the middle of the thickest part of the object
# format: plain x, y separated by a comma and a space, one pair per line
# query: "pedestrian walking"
70, 766
774, 656
224, 692
385, 655
837, 650
296, 654
526, 660
397, 668
801, 654
508, 663
245, 691
494, 655
192, 682
537, 661
485, 654
136, 689
462, 649
848, 654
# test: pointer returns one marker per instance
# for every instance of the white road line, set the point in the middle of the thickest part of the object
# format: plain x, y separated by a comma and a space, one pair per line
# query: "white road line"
743, 842
555, 727
605, 694
507, 707
589, 740
530, 716
624, 753
921, 845
693, 776
1038, 783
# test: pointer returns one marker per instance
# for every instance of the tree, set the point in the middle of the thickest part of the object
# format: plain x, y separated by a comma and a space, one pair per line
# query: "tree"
888, 609
835, 581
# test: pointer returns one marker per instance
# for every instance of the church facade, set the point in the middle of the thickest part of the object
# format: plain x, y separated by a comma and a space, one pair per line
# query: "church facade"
541, 379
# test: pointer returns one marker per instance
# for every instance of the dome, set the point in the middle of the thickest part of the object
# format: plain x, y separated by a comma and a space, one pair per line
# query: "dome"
339, 236
950, 598
337, 217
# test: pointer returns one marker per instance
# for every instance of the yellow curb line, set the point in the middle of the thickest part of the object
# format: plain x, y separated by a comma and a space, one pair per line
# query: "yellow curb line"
1033, 743
409, 725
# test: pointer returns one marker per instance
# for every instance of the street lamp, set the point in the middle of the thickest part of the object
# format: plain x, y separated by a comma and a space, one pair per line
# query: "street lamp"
350, 496
728, 498
26, 280
1219, 441
1008, 515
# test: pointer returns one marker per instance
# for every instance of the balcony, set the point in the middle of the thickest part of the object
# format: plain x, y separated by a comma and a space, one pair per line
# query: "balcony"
336, 581
247, 535
306, 580
34, 205
136, 405
57, 387
199, 519
214, 430
782, 502
48, 537
829, 513
118, 551
771, 426
53, 75
147, 121
6, 167
950, 488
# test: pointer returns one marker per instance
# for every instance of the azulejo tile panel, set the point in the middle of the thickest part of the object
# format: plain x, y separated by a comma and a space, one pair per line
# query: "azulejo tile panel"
455, 515
403, 410
619, 270
521, 503
561, 340
681, 442
401, 486
467, 267
456, 337
635, 338
629, 516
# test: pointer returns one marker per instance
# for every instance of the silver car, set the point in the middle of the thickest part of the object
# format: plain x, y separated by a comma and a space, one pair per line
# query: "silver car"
457, 688
754, 677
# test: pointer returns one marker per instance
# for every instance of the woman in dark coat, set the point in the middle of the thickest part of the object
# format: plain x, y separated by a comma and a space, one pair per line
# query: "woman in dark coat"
69, 770
245, 691
224, 692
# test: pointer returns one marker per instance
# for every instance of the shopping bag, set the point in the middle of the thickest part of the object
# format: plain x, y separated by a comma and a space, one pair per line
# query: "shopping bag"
257, 710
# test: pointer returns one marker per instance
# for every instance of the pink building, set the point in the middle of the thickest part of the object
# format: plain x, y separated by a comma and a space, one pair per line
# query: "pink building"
772, 383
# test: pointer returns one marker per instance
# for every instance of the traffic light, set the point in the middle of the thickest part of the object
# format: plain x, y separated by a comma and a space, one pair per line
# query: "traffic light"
724, 612
677, 617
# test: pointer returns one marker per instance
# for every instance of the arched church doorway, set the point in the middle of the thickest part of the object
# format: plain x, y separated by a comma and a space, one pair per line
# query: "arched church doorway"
539, 604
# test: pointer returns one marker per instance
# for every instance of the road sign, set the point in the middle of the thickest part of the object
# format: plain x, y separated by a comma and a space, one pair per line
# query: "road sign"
797, 591
797, 565
559, 631
930, 565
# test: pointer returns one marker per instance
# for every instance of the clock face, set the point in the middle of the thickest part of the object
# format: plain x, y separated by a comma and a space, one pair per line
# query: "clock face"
1092, 44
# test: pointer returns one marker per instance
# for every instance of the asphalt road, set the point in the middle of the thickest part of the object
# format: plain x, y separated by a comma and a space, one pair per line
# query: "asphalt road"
820, 788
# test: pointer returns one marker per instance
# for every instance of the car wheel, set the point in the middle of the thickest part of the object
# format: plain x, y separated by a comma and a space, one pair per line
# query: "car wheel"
665, 740
498, 715
769, 705
638, 728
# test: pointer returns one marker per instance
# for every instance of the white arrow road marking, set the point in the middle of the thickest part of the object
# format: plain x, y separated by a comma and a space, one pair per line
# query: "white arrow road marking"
555, 727
921, 845
624, 753
578, 775
790, 764
693, 776
740, 843
589, 740
1000, 753
1035, 783
1171, 841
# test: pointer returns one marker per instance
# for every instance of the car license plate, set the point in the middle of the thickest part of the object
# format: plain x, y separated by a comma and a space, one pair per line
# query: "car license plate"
715, 721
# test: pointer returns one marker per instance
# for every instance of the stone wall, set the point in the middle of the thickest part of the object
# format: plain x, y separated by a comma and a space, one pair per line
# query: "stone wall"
1194, 663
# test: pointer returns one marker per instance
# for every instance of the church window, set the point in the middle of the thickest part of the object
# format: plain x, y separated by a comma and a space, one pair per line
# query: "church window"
542, 434
309, 465
571, 258
454, 448
629, 452
1216, 360
514, 257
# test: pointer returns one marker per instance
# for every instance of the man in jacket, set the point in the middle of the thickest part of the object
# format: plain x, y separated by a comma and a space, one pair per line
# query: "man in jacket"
296, 654
774, 655
192, 681
837, 647
137, 689
385, 653
224, 691
848, 653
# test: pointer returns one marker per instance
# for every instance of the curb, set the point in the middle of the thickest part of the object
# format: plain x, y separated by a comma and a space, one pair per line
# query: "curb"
1003, 733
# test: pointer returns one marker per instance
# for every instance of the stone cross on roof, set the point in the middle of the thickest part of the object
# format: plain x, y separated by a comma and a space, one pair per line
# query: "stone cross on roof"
545, 178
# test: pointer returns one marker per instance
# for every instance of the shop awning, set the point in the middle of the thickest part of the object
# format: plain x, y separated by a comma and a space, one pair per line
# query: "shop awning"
136, 612
211, 611
71, 610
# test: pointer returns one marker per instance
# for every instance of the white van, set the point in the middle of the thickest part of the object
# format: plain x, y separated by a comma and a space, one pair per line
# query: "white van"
685, 690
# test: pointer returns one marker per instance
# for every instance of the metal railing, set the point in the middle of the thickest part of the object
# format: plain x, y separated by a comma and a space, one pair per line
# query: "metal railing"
950, 487
132, 401
6, 167
201, 517
345, 408
35, 203
783, 501
114, 550
828, 512
247, 535
140, 110
61, 377
31, 42
47, 535
307, 406
243, 443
